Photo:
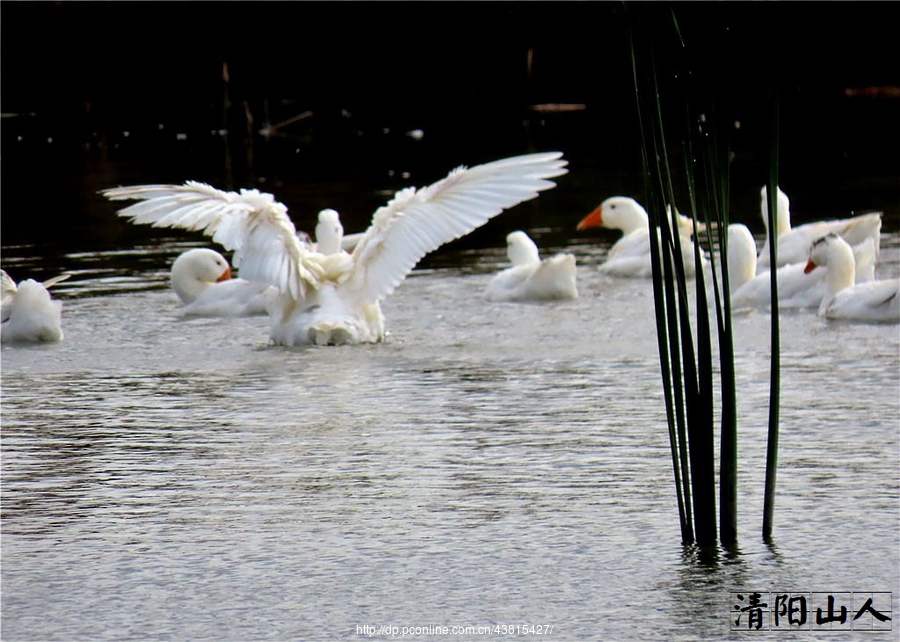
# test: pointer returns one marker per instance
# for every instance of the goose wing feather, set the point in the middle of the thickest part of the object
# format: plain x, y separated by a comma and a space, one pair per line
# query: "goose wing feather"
416, 222
251, 223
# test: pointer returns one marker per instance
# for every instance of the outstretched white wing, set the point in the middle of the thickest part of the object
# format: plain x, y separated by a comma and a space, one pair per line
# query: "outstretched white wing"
251, 223
417, 222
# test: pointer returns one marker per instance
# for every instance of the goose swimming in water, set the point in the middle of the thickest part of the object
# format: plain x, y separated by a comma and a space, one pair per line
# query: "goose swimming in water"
630, 255
794, 242
28, 312
201, 277
531, 278
844, 299
326, 295
796, 288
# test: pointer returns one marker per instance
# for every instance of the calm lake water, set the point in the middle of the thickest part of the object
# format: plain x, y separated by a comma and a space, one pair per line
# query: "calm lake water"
490, 464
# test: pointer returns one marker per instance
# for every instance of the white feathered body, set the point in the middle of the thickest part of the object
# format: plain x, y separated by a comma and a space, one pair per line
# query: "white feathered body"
201, 277
797, 288
794, 242
874, 301
549, 279
326, 317
32, 316
630, 255
531, 278
334, 297
793, 246
232, 298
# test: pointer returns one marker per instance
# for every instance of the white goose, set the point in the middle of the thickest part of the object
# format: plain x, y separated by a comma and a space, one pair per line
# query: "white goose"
794, 242
327, 296
796, 288
202, 279
844, 299
530, 278
28, 313
630, 255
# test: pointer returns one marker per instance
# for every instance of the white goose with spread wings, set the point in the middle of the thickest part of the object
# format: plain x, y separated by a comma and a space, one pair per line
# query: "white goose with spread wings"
326, 295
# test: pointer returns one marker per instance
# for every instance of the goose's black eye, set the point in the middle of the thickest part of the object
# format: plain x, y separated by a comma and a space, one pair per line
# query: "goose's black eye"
613, 206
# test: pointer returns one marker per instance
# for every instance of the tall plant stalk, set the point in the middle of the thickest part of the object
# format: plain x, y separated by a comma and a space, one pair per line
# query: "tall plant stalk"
685, 380
714, 167
669, 368
775, 377
687, 367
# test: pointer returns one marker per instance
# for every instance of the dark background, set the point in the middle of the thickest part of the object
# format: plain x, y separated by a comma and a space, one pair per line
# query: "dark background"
96, 94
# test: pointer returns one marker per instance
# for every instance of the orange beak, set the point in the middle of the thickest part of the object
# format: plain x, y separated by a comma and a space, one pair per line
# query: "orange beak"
594, 219
225, 275
810, 266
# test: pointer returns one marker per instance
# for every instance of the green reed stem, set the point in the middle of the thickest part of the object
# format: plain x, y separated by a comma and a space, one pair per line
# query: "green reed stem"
775, 369
688, 373
672, 400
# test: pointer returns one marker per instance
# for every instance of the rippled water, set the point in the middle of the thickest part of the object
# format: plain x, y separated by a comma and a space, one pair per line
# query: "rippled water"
491, 463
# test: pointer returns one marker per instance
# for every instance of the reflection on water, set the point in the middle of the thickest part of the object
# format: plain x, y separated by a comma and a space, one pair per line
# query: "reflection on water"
490, 463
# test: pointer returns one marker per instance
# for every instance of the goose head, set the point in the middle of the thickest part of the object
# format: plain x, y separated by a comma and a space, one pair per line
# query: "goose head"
782, 210
618, 213
329, 232
196, 270
520, 249
820, 251
835, 253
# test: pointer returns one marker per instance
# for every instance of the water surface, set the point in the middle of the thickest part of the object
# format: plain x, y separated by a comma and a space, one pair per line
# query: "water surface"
489, 464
